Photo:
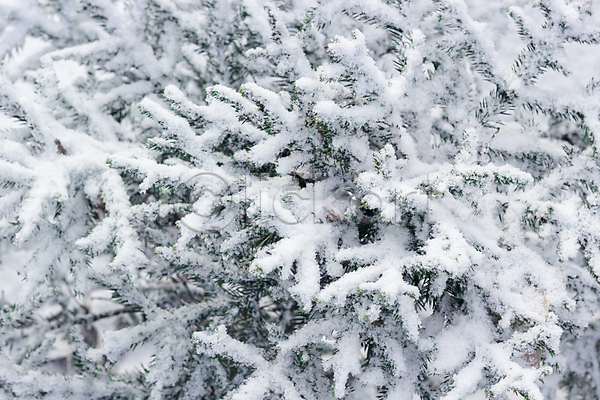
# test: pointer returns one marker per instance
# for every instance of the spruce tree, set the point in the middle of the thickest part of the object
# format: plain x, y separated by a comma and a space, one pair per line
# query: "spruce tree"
358, 199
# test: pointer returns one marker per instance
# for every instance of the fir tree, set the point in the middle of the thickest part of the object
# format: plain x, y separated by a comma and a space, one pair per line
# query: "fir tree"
368, 202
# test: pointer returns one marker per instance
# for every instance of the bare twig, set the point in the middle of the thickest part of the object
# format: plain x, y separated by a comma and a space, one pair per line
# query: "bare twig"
256, 250
60, 147
487, 146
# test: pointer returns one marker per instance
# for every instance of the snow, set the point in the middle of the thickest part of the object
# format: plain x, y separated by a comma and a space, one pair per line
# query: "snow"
312, 200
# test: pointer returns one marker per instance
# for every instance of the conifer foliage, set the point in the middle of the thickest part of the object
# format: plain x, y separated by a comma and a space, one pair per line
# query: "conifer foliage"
352, 199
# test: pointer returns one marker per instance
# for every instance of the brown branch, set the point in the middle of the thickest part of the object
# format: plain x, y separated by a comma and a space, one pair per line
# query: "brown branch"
60, 147
487, 146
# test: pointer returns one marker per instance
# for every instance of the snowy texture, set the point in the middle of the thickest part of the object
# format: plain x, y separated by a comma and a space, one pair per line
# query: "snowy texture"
298, 199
